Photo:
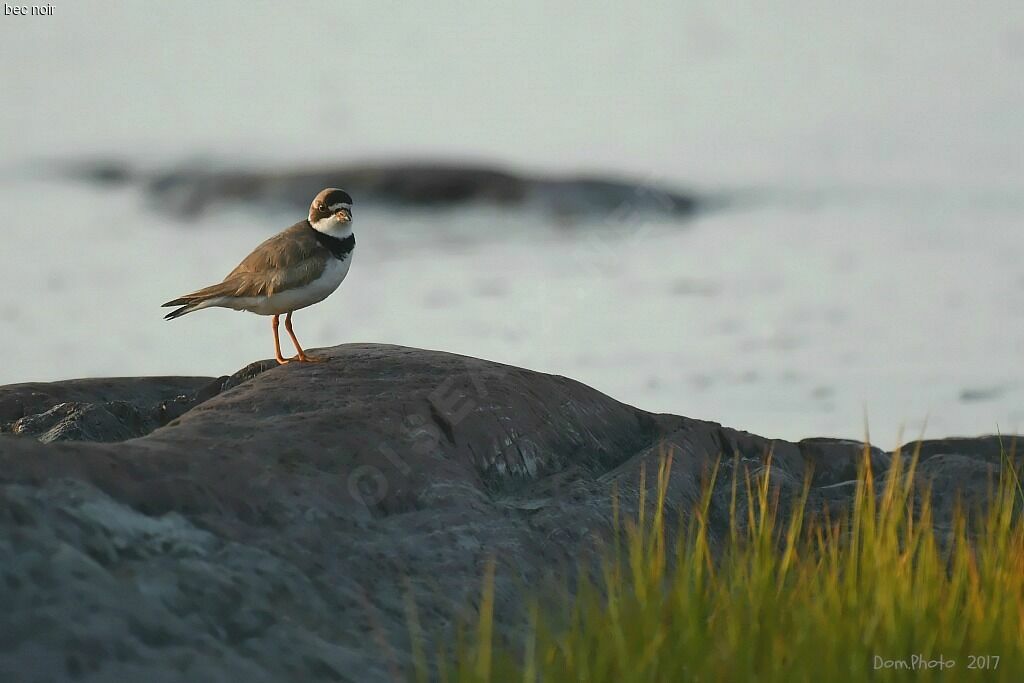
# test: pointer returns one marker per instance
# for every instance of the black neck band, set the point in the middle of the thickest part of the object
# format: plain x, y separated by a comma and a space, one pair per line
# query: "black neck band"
340, 247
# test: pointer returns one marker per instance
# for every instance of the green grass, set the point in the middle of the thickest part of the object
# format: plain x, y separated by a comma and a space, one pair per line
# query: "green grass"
789, 598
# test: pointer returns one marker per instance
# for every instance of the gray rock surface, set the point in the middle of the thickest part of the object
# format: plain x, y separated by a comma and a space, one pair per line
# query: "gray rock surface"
107, 409
272, 528
189, 191
31, 398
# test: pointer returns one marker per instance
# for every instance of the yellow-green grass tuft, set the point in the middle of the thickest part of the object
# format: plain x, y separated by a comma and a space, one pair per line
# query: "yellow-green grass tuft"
855, 595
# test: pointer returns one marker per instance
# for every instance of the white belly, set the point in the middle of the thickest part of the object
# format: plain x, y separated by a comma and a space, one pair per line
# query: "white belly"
294, 299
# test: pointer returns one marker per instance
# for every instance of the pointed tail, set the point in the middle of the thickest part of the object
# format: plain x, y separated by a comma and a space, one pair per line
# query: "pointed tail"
203, 298
177, 313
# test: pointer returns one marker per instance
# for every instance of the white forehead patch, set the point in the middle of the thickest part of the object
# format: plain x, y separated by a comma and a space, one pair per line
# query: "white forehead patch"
341, 205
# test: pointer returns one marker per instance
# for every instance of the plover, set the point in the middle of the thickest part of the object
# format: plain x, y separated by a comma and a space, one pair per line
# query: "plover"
293, 269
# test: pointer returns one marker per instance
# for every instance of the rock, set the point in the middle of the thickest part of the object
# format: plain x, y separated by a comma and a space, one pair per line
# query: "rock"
110, 409
189, 191
108, 421
835, 461
993, 449
30, 398
273, 529
957, 479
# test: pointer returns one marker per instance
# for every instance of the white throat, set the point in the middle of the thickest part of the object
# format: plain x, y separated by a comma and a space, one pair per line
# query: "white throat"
333, 227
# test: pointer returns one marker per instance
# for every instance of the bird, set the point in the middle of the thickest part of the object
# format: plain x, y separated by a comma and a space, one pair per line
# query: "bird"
295, 268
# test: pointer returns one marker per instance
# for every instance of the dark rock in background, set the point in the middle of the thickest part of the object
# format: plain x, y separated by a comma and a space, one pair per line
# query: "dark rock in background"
189, 191
31, 398
107, 409
272, 527
107, 421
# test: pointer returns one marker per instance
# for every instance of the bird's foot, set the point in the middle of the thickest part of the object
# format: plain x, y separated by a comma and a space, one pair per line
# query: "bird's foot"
305, 358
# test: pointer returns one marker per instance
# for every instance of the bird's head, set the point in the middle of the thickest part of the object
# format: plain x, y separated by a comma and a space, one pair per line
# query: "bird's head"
331, 211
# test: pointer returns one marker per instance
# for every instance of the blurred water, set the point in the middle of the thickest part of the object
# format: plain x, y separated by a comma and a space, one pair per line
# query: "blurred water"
876, 266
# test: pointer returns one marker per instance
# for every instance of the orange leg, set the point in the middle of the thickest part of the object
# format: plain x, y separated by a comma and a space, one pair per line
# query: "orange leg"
277, 342
302, 357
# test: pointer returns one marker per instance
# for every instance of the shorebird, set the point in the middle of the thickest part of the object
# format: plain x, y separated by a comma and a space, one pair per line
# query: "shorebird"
296, 268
